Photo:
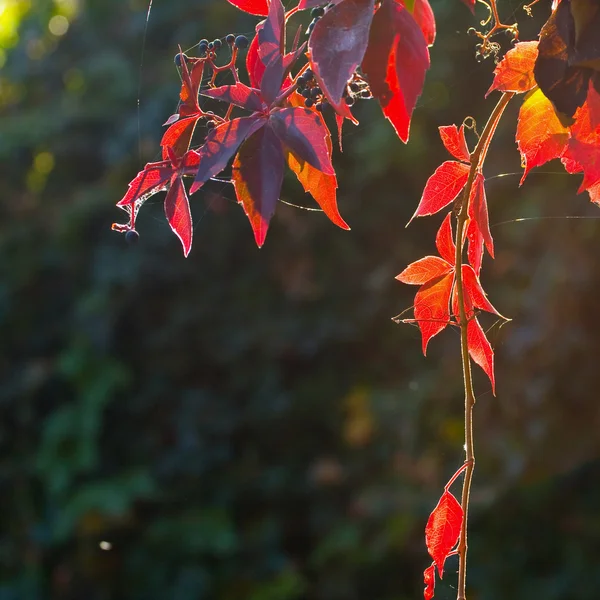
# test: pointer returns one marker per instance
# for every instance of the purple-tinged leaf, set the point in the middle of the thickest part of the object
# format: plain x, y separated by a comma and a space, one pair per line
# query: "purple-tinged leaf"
304, 132
338, 43
220, 146
257, 177
239, 94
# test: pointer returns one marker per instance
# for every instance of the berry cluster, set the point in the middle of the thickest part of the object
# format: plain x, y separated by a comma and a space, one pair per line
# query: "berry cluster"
357, 89
208, 49
310, 91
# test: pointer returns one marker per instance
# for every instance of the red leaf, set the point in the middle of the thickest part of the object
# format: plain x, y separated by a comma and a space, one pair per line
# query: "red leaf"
475, 250
593, 102
514, 73
478, 212
395, 63
154, 178
443, 529
480, 350
540, 134
178, 136
304, 132
473, 289
254, 7
221, 144
587, 157
454, 140
337, 45
432, 310
239, 94
444, 242
423, 15
271, 47
257, 177
177, 209
256, 69
424, 270
442, 188
429, 580
190, 84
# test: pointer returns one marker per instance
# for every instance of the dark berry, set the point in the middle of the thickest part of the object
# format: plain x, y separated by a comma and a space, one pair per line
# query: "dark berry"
217, 44
132, 237
203, 42
230, 39
349, 100
354, 87
178, 59
210, 46
317, 12
309, 102
308, 74
202, 48
306, 93
210, 124
365, 94
315, 92
241, 42
319, 106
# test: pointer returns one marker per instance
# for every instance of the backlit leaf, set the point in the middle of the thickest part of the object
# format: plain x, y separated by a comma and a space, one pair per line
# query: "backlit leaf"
221, 144
514, 73
432, 307
480, 350
472, 287
254, 7
177, 210
395, 64
271, 47
338, 43
540, 134
444, 241
154, 178
478, 212
257, 177
238, 94
304, 132
424, 270
178, 136
443, 529
429, 581
442, 187
475, 248
454, 140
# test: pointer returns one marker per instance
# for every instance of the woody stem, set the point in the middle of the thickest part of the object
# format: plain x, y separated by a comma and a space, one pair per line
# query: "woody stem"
477, 159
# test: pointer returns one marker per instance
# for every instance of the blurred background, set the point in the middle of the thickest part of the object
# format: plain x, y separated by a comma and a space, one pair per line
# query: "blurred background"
250, 424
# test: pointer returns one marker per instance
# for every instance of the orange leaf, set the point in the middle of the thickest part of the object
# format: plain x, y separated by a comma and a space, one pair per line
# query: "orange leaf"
424, 270
432, 310
540, 134
514, 73
478, 212
444, 242
475, 250
443, 529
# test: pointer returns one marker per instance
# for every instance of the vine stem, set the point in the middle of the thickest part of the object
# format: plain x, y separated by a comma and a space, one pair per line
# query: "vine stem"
477, 159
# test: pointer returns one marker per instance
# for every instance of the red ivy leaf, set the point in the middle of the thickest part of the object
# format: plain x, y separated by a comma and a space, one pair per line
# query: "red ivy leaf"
304, 132
259, 8
239, 94
337, 45
444, 242
443, 529
477, 297
395, 63
432, 307
429, 580
271, 47
475, 249
154, 178
221, 144
256, 69
540, 134
424, 270
593, 102
480, 350
454, 140
257, 177
478, 212
442, 188
423, 15
514, 73
587, 157
177, 210
190, 84
178, 136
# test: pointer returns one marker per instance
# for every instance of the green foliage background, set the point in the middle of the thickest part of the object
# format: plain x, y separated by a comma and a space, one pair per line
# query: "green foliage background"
249, 424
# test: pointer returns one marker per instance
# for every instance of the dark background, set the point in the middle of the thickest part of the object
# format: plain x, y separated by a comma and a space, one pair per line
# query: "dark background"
250, 424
